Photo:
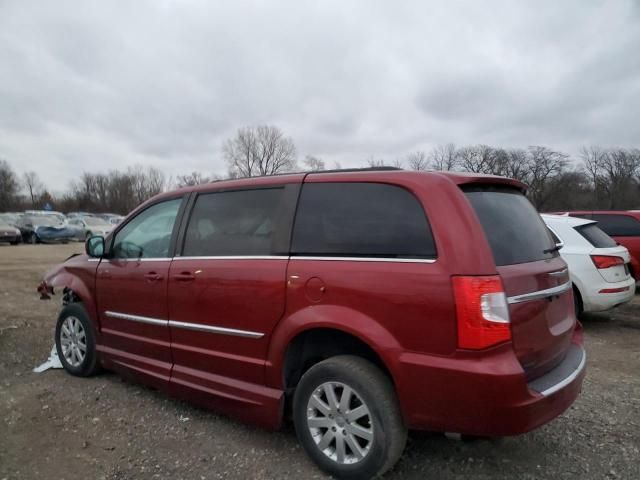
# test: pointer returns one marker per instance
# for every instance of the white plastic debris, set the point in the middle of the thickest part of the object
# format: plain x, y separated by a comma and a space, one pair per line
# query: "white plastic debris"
52, 362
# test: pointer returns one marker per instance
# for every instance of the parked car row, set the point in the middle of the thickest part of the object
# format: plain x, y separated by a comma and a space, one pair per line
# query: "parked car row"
41, 226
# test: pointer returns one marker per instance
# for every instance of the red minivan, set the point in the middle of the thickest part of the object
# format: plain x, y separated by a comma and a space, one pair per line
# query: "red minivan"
622, 226
360, 303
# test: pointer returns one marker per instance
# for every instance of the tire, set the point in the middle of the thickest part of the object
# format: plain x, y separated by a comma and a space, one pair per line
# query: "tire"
33, 239
72, 328
15, 243
382, 422
577, 302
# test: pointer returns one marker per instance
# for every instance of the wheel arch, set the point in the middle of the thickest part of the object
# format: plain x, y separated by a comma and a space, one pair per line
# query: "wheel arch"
74, 289
338, 327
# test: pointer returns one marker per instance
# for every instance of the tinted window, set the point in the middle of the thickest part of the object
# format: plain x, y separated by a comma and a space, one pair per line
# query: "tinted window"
515, 231
618, 225
148, 234
233, 223
595, 236
361, 219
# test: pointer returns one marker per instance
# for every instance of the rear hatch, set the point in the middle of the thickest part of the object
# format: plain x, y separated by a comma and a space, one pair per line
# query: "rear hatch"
605, 250
535, 278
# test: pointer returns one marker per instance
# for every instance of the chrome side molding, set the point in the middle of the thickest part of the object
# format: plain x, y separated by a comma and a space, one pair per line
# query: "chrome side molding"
211, 329
184, 325
540, 294
137, 318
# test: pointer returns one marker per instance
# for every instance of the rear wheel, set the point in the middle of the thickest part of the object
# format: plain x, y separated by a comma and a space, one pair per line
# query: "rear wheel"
75, 341
33, 239
347, 418
577, 302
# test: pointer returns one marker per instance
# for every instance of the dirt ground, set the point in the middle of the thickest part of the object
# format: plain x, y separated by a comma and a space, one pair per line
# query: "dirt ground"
57, 426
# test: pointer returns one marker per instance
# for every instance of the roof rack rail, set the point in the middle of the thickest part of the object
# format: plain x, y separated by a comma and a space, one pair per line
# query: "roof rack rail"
365, 169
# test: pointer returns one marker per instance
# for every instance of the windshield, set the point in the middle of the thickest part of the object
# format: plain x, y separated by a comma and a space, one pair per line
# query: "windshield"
95, 221
515, 231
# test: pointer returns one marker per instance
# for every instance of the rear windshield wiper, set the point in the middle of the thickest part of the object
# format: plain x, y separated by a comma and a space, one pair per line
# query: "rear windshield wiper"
552, 249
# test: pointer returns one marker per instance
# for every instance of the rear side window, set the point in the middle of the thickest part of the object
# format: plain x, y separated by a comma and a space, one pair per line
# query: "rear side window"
238, 223
361, 220
596, 237
618, 225
515, 231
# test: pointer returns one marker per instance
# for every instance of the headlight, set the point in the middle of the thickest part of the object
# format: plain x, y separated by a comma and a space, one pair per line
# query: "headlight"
17, 231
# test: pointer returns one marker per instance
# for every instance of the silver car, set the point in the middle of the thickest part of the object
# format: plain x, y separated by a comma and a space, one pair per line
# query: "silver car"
88, 226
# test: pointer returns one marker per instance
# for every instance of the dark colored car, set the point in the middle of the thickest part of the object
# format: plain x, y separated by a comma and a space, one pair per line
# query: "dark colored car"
622, 226
361, 303
44, 229
9, 233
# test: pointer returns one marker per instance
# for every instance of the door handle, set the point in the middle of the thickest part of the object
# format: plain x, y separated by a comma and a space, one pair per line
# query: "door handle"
105, 274
153, 276
184, 277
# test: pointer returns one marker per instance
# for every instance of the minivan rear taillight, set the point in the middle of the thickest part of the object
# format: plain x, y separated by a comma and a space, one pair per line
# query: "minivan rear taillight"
482, 311
605, 261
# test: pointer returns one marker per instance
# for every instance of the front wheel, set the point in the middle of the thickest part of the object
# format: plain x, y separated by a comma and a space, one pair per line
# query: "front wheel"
33, 239
347, 418
75, 341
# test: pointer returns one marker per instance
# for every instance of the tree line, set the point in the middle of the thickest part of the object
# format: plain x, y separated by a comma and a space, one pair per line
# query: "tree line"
599, 178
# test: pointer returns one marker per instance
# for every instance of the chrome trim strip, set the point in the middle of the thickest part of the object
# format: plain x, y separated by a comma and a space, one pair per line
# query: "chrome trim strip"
209, 329
559, 273
569, 379
366, 259
549, 292
111, 260
235, 257
184, 325
137, 318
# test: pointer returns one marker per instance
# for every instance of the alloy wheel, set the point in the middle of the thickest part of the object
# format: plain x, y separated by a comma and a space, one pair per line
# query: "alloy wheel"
340, 423
73, 341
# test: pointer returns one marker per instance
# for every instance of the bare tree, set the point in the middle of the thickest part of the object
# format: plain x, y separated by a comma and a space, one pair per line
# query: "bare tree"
314, 164
593, 159
544, 164
260, 150
517, 165
619, 179
193, 178
444, 157
33, 185
372, 162
9, 187
418, 160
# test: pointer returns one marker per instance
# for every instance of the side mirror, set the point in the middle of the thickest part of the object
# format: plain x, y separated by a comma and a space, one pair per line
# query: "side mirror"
559, 245
95, 246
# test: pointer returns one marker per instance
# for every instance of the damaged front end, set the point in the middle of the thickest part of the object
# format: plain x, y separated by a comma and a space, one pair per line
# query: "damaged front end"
45, 290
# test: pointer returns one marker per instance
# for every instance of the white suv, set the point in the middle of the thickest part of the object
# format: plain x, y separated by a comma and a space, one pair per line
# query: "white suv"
598, 266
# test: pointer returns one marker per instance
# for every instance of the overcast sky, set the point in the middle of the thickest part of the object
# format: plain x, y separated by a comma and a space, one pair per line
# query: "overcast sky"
88, 86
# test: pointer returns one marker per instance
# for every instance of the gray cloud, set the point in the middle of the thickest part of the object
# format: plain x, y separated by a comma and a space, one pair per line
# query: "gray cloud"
99, 85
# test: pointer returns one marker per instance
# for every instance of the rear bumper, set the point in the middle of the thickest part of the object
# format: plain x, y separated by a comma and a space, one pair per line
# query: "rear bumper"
594, 301
486, 395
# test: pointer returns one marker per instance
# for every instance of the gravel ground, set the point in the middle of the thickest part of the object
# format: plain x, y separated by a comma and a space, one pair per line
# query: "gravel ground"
58, 426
